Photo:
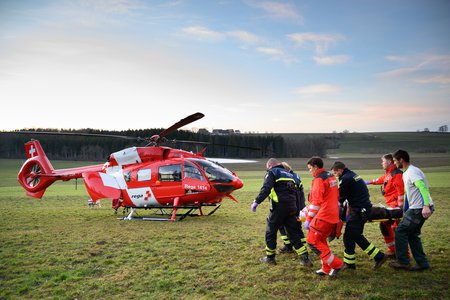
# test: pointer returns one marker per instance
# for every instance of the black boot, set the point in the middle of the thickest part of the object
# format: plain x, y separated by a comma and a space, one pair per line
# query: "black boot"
269, 260
286, 249
305, 261
380, 261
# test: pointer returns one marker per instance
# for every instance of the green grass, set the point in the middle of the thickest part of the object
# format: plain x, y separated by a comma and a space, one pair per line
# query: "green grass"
59, 248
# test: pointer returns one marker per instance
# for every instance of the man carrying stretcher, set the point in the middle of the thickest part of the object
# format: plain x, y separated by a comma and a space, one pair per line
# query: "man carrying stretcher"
393, 191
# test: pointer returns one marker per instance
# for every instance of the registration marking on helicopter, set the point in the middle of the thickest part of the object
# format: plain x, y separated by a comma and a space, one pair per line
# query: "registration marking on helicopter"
195, 187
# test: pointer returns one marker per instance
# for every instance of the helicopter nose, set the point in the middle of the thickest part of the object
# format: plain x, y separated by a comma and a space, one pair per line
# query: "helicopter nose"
238, 183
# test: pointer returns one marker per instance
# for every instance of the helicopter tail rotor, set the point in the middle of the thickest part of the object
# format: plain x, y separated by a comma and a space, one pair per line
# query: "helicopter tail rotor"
35, 174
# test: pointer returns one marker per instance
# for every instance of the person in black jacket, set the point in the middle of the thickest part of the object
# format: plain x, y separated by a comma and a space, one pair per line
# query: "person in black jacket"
280, 186
287, 247
353, 189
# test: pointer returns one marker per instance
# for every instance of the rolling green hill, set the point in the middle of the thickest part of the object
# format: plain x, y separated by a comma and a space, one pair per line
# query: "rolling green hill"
381, 142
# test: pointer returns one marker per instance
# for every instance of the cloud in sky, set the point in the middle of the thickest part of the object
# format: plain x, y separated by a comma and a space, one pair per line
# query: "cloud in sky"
321, 41
331, 60
279, 11
113, 6
423, 69
317, 89
203, 33
270, 51
244, 36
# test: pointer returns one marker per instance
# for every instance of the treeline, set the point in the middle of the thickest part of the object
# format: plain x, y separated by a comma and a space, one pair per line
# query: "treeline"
78, 146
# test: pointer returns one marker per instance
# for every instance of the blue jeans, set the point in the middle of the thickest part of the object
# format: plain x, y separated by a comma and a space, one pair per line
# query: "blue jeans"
408, 232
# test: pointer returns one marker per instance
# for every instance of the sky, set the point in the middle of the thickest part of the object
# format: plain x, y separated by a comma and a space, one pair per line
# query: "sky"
255, 66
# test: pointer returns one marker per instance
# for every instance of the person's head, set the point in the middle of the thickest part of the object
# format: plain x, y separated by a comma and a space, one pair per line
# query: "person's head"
401, 158
286, 166
338, 168
387, 160
272, 162
314, 163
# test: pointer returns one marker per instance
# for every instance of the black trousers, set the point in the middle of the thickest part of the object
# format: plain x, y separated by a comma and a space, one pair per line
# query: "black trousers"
353, 233
299, 225
287, 219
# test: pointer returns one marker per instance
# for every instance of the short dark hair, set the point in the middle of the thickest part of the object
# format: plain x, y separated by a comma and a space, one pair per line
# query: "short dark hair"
388, 157
315, 161
401, 154
338, 165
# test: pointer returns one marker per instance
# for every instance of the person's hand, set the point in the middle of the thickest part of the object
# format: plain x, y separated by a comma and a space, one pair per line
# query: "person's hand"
306, 224
426, 211
254, 206
367, 182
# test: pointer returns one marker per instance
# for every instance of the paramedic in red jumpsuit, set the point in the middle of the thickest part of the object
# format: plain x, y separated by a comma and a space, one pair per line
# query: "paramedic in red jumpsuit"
323, 216
393, 191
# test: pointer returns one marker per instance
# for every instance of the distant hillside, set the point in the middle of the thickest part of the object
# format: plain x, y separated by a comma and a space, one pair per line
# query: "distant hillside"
293, 145
382, 142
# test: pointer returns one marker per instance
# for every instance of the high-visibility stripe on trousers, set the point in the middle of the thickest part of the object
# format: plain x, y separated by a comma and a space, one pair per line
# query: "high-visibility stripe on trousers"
349, 259
270, 252
372, 251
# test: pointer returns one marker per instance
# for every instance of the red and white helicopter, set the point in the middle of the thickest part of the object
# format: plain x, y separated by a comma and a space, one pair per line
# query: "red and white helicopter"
150, 177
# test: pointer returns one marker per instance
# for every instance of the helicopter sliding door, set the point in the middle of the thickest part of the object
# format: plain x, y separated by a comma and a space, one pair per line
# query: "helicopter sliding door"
169, 183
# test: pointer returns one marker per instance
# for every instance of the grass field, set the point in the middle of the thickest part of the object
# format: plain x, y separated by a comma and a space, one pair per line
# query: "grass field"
59, 248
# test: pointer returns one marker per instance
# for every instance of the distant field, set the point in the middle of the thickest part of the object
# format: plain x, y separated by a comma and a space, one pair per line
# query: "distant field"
381, 142
58, 248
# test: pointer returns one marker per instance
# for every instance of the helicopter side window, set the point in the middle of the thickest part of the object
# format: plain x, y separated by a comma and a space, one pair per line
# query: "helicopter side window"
169, 173
191, 171
144, 174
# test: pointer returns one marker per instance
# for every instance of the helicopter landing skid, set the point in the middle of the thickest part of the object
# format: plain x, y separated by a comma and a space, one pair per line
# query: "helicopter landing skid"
174, 216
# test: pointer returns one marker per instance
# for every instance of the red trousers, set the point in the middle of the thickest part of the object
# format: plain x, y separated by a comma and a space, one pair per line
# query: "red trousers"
387, 230
317, 241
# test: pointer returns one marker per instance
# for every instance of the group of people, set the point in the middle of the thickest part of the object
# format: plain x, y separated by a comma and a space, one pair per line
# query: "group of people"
342, 196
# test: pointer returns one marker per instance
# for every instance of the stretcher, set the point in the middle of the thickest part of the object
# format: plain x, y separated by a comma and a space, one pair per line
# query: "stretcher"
383, 214
377, 214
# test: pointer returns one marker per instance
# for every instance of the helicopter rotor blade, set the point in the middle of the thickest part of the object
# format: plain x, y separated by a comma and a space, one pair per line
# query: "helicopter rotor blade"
80, 134
214, 144
181, 123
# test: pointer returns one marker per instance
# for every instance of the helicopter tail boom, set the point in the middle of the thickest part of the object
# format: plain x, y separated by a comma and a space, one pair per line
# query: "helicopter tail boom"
37, 173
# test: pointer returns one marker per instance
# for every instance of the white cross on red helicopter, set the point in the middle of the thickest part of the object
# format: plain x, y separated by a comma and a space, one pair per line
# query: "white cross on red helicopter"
152, 177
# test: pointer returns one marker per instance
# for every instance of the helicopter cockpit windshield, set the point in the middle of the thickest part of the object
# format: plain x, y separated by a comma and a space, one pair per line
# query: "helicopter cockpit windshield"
214, 172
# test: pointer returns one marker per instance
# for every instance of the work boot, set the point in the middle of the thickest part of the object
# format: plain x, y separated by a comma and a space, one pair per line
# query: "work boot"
419, 268
347, 266
321, 272
399, 266
380, 262
333, 273
305, 261
286, 249
269, 260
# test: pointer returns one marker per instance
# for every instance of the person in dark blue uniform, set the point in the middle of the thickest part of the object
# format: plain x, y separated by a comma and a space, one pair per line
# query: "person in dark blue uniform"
280, 186
353, 189
287, 245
